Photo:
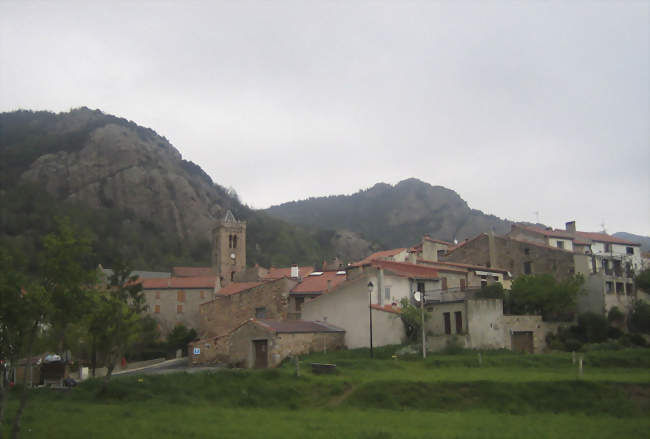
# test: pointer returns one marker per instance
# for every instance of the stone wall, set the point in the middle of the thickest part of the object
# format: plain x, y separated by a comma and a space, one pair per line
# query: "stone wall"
534, 324
511, 254
225, 313
213, 350
280, 345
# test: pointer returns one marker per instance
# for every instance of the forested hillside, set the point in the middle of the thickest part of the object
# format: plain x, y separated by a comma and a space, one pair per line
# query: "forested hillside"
396, 215
132, 190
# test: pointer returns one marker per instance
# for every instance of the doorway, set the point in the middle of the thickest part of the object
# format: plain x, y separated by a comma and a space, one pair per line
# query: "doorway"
260, 349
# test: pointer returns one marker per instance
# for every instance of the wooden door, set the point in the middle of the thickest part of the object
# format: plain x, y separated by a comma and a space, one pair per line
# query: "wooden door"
522, 341
261, 354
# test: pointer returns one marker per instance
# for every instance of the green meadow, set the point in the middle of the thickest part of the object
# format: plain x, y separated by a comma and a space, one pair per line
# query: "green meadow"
504, 395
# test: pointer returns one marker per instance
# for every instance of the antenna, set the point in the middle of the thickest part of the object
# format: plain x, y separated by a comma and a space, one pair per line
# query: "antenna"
602, 226
536, 216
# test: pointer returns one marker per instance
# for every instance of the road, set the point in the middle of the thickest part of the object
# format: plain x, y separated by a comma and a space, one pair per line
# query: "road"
168, 366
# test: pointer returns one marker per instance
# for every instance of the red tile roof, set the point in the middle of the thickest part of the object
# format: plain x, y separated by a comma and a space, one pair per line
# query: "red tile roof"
296, 326
278, 273
379, 255
178, 282
405, 269
319, 284
604, 237
386, 308
237, 287
193, 271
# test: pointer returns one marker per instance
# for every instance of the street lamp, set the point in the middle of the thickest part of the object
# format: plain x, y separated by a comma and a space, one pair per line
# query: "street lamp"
370, 285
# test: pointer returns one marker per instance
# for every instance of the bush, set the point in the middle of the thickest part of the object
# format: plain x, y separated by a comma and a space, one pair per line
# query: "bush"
615, 315
614, 333
639, 318
592, 327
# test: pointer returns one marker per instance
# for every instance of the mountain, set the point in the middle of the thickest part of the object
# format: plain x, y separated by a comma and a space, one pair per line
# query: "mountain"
131, 188
395, 216
643, 240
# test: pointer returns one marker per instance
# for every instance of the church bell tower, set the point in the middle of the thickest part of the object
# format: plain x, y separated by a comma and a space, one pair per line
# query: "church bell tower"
229, 248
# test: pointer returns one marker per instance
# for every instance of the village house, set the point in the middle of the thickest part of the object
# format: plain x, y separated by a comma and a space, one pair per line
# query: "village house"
262, 343
175, 300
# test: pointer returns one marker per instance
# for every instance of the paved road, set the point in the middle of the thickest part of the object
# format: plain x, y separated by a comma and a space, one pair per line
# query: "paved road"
169, 366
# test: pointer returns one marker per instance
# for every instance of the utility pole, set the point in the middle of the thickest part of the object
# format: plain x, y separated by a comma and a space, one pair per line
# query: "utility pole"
424, 342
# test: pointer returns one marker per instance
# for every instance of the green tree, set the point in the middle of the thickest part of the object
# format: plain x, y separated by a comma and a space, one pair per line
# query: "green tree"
24, 307
639, 317
179, 338
544, 295
116, 322
411, 316
67, 275
642, 280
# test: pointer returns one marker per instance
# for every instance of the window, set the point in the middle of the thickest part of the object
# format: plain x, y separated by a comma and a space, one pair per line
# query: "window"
229, 241
462, 285
180, 295
526, 251
202, 294
458, 316
528, 267
157, 309
483, 283
299, 302
260, 313
234, 241
608, 247
609, 287
629, 289
560, 244
620, 289
387, 293
629, 250
157, 294
232, 276
179, 309
421, 287
447, 318
444, 283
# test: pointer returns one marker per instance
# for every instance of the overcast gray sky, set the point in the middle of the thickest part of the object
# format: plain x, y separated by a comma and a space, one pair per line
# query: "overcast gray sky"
517, 106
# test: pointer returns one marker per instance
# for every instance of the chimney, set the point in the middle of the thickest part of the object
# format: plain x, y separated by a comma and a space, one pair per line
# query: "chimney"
571, 226
294, 271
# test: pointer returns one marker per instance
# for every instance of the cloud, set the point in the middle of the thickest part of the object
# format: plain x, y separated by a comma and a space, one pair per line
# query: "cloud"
519, 107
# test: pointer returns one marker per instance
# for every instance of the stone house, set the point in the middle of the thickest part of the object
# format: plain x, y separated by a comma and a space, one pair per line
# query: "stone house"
481, 324
516, 255
241, 301
262, 343
176, 300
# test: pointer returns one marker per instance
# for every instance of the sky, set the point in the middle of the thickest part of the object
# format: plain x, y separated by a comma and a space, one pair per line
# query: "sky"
528, 110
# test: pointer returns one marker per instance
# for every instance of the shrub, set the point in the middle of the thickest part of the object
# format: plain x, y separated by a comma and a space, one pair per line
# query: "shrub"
639, 318
592, 327
615, 315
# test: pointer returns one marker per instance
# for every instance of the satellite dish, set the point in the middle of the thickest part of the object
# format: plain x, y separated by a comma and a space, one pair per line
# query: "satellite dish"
417, 296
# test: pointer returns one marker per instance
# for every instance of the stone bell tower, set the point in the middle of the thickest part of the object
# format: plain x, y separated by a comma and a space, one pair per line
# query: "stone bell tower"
229, 248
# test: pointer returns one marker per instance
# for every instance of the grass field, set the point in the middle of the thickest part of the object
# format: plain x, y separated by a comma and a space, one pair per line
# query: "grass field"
508, 396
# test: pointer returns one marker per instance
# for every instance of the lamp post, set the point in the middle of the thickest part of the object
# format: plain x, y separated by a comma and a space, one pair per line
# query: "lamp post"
370, 285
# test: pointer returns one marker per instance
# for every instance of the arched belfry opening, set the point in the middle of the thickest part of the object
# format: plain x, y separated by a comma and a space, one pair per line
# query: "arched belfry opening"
229, 248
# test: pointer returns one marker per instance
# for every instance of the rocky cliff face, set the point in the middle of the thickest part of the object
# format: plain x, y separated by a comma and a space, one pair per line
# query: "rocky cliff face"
119, 166
132, 189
